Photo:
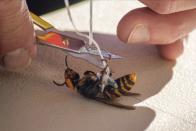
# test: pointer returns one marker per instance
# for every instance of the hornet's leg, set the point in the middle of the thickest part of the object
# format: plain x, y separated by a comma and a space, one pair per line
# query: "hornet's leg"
130, 94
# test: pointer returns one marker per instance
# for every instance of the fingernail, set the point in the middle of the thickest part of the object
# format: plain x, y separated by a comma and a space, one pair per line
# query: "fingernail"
17, 59
139, 34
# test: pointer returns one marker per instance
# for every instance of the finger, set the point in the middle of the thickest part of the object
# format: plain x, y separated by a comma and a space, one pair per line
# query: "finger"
171, 51
169, 6
17, 41
145, 26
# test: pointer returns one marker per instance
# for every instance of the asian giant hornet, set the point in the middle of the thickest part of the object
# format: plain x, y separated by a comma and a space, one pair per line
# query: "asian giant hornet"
89, 86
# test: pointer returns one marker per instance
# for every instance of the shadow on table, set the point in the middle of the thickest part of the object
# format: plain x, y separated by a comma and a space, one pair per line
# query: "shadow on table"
153, 74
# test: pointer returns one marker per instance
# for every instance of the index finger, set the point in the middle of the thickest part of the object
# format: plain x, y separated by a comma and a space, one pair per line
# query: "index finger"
169, 6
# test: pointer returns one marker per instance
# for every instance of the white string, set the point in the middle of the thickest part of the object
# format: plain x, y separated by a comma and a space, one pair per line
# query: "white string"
82, 34
91, 22
106, 76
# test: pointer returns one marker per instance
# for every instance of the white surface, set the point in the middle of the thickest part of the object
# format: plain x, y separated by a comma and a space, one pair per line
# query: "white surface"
29, 101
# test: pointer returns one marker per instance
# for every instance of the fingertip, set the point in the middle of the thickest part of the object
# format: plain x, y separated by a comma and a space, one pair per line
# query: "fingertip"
142, 25
169, 6
122, 31
171, 51
16, 60
160, 7
133, 28
19, 59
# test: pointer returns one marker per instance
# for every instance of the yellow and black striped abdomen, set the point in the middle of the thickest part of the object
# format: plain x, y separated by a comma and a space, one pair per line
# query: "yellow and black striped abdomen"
126, 83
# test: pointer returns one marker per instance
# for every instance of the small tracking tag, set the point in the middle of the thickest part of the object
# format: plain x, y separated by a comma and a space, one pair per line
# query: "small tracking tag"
61, 41
72, 45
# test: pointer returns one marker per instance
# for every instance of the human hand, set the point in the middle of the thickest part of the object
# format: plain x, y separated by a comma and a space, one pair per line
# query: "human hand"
17, 37
163, 23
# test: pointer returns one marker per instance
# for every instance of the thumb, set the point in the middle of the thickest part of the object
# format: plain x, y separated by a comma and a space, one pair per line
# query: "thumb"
17, 41
145, 26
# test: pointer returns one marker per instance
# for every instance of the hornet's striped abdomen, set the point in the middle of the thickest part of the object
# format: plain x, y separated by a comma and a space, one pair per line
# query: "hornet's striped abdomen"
125, 84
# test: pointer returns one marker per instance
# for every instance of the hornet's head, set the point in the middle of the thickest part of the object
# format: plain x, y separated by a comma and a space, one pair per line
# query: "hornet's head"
71, 76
